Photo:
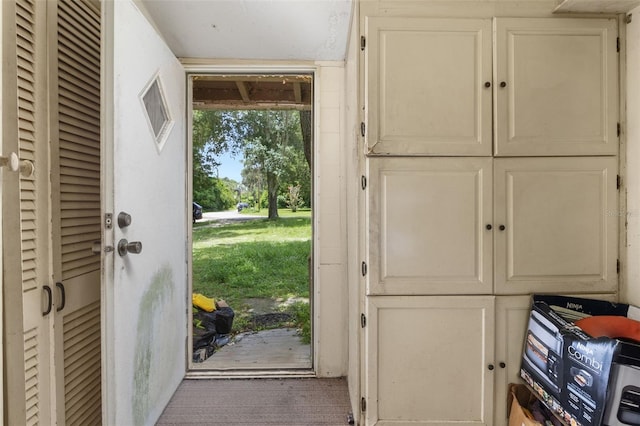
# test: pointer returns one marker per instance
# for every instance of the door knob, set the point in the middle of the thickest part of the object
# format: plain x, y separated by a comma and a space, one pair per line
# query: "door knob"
133, 247
12, 161
26, 168
124, 219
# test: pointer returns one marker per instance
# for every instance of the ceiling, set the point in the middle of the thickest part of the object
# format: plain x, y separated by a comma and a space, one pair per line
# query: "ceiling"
254, 29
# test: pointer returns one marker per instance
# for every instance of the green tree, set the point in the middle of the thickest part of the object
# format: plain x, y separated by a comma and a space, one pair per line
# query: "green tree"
275, 145
212, 132
215, 195
271, 139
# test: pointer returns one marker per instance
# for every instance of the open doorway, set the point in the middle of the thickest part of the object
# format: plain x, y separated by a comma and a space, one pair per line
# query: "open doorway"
252, 244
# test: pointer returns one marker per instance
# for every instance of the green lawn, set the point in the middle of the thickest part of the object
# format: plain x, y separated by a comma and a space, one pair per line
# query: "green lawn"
257, 259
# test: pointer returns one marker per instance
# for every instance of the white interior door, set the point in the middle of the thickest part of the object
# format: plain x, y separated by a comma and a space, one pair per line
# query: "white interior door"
144, 160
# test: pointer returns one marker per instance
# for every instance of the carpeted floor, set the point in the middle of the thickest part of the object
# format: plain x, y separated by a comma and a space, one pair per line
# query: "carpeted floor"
302, 402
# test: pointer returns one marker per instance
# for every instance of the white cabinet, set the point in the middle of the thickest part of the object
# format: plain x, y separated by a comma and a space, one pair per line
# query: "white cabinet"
556, 87
442, 359
430, 86
427, 225
492, 161
560, 225
484, 226
512, 315
428, 360
425, 86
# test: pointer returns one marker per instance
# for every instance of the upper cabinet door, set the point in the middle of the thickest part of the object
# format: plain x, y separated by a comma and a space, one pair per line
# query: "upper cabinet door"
556, 85
557, 225
426, 86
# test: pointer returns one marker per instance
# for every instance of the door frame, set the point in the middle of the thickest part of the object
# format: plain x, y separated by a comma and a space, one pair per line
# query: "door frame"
194, 68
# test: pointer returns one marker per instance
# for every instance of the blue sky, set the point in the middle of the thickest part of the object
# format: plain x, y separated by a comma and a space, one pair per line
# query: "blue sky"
230, 167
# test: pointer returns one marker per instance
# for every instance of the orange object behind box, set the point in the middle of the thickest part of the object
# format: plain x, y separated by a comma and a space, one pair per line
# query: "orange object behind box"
519, 398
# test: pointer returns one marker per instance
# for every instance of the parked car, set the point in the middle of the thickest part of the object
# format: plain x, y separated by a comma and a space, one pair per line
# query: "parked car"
241, 206
197, 212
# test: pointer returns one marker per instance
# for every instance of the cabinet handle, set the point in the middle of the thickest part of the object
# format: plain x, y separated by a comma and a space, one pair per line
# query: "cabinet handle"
502, 227
63, 297
503, 365
503, 84
47, 290
489, 227
487, 84
490, 367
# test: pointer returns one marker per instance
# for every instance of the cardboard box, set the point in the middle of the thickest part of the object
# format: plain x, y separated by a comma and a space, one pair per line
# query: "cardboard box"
568, 369
520, 397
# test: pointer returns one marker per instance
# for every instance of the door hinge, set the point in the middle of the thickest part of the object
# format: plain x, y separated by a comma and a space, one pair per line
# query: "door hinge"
618, 129
363, 42
618, 182
617, 44
618, 266
363, 182
363, 129
364, 268
363, 320
363, 404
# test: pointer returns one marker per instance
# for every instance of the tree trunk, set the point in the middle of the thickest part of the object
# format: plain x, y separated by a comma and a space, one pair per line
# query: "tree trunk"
272, 191
305, 126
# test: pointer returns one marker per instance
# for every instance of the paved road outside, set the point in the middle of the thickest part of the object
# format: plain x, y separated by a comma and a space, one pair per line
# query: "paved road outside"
227, 216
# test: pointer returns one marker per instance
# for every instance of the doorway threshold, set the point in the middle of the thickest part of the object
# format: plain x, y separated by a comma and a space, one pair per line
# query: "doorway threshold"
249, 374
267, 353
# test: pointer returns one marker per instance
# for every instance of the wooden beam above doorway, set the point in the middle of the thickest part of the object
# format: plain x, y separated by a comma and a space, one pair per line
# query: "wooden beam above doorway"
233, 92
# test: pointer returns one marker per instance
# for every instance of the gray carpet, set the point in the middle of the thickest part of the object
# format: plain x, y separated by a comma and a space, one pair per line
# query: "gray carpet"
303, 402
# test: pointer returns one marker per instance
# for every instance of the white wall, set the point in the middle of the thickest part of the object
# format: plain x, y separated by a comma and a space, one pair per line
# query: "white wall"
630, 290
331, 296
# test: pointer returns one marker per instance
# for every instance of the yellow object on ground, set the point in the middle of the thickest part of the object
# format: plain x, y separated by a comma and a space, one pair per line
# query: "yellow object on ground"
203, 302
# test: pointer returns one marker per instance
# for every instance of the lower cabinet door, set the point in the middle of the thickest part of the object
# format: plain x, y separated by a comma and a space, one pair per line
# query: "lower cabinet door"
429, 360
512, 316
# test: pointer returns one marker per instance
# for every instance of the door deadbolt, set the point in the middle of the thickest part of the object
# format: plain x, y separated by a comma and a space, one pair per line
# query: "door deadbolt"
133, 247
124, 219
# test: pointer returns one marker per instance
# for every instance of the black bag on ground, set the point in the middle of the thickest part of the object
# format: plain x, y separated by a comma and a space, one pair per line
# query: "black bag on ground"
223, 319
207, 320
203, 338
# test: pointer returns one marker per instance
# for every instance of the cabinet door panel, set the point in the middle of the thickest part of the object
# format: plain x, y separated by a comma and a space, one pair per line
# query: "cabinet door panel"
561, 87
427, 224
512, 315
561, 230
425, 86
428, 359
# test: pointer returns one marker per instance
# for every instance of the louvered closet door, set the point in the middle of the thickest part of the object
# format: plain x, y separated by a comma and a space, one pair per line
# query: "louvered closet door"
76, 207
34, 201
